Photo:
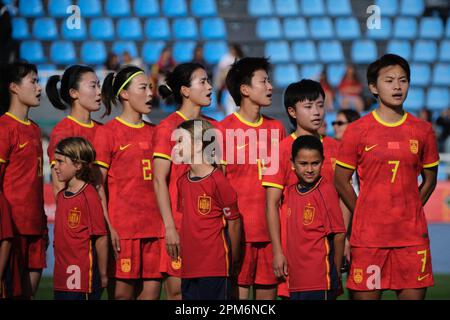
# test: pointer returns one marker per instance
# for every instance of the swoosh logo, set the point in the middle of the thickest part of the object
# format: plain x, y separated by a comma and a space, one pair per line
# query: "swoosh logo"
22, 145
367, 149
243, 146
124, 147
420, 278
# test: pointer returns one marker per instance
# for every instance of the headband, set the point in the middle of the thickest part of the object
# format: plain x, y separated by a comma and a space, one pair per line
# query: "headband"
128, 80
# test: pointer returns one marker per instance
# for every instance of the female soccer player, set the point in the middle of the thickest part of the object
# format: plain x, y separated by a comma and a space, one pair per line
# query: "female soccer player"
21, 154
189, 85
80, 91
389, 148
6, 237
124, 154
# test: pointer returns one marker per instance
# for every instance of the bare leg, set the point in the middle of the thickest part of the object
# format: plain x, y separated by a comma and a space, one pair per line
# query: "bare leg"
172, 286
412, 294
244, 292
366, 295
151, 290
263, 292
124, 289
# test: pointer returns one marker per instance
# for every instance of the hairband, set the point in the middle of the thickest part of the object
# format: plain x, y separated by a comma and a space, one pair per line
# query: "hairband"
128, 80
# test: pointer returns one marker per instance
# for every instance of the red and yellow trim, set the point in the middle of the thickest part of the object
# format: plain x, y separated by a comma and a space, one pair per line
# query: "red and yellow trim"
293, 136
225, 245
250, 124
86, 125
101, 163
343, 164
162, 155
91, 262
131, 125
387, 124
2, 161
27, 123
182, 115
310, 190
327, 263
426, 166
273, 185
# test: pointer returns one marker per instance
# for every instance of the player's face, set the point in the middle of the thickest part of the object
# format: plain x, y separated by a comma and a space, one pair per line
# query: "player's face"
200, 91
29, 90
64, 167
308, 114
260, 90
140, 94
88, 94
339, 126
307, 165
392, 86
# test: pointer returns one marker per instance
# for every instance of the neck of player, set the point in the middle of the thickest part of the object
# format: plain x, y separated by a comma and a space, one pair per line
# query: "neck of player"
390, 114
201, 170
81, 114
249, 111
299, 131
190, 110
131, 116
74, 185
19, 110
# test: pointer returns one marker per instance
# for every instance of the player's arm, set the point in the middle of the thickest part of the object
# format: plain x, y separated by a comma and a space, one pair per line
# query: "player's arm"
273, 197
429, 181
339, 244
161, 172
101, 248
342, 183
234, 231
5, 248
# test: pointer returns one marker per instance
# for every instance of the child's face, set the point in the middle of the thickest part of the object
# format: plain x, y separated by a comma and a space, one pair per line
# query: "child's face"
184, 148
308, 114
65, 168
260, 90
307, 165
392, 86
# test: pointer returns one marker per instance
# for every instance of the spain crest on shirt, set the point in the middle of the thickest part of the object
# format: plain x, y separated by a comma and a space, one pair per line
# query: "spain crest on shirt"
125, 265
176, 264
414, 146
308, 214
204, 204
74, 218
357, 275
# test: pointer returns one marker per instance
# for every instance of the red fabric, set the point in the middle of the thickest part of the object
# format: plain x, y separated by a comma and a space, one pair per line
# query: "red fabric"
257, 265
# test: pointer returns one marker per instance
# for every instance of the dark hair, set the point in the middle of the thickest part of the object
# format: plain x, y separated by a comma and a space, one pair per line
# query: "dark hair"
179, 77
70, 79
113, 82
303, 90
349, 114
387, 60
12, 73
307, 142
236, 47
241, 72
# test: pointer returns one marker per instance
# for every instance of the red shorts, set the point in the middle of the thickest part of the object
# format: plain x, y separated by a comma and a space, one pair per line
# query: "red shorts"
30, 251
138, 259
390, 268
167, 266
257, 265
283, 288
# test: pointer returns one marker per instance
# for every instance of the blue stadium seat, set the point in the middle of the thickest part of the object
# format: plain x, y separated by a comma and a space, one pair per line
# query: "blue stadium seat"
425, 51
183, 51
347, 28
32, 51
20, 28
93, 52
447, 29
204, 8
185, 29
214, 50
415, 100
420, 74
364, 51
441, 74
321, 28
331, 51
285, 74
295, 28
259, 8
388, 7
102, 29
57, 8
286, 7
311, 8
444, 51
31, 8
383, 33
405, 28
431, 28
268, 28
90, 8
74, 34
174, 8
339, 7
399, 47
311, 71
213, 29
304, 51
278, 51
117, 8
120, 47
151, 51
412, 8
335, 72
157, 29
129, 29
45, 70
45, 29
438, 98
146, 8
63, 52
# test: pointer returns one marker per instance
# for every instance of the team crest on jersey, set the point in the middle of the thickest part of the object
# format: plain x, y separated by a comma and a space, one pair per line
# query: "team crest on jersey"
176, 264
308, 214
204, 204
74, 218
414, 146
357, 275
125, 265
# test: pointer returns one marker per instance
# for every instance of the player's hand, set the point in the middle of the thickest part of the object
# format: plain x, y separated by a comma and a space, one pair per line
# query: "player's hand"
347, 250
280, 266
115, 241
173, 243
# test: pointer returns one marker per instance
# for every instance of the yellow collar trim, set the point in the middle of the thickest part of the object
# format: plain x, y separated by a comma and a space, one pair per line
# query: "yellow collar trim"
293, 136
251, 124
182, 115
27, 123
387, 124
90, 125
131, 125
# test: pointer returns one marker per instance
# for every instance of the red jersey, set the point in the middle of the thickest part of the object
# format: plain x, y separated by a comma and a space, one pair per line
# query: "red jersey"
126, 151
78, 218
163, 146
311, 217
247, 151
205, 205
6, 228
23, 185
388, 159
70, 127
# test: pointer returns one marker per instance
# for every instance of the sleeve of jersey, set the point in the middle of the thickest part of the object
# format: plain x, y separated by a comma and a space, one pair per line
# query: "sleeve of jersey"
430, 155
162, 143
277, 180
347, 156
282, 132
5, 144
334, 218
103, 147
227, 198
223, 143
97, 221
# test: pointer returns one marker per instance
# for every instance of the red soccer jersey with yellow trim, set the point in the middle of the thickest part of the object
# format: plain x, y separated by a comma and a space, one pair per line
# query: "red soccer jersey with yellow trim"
248, 159
388, 159
126, 151
6, 228
163, 146
70, 127
23, 185
205, 205
78, 218
311, 217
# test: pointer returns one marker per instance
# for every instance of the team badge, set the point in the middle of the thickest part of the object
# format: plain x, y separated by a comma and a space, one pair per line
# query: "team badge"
357, 275
289, 212
125, 265
308, 214
74, 218
176, 264
414, 146
204, 204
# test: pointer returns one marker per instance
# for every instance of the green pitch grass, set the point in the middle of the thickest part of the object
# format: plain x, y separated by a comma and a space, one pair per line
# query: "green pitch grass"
440, 291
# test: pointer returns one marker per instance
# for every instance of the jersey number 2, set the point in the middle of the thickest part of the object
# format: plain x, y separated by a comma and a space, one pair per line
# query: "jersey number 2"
147, 169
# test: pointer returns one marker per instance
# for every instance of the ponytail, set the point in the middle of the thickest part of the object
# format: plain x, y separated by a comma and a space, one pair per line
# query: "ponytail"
52, 92
108, 96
